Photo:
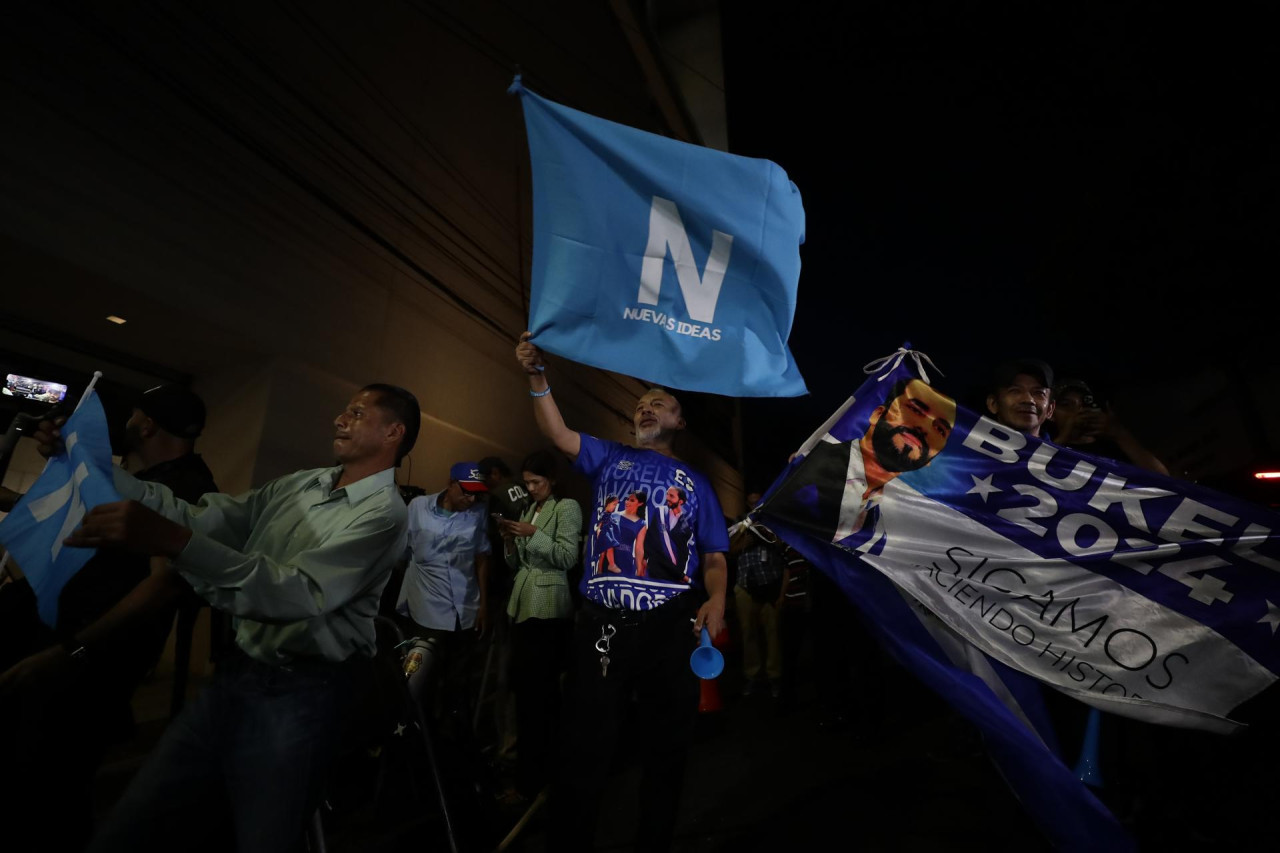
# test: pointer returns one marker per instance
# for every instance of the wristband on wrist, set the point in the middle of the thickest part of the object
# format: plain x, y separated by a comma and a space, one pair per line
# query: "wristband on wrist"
541, 393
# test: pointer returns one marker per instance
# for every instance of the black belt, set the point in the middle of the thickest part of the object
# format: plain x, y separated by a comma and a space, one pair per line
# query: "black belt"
684, 605
237, 659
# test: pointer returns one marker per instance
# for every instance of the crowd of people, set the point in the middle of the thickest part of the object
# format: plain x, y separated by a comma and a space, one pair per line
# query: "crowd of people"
303, 564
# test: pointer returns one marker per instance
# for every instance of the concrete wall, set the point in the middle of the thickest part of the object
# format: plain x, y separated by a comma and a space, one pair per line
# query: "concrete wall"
24, 467
287, 203
268, 420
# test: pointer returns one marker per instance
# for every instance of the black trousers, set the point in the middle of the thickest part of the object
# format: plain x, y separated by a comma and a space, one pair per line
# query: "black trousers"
793, 625
648, 658
539, 653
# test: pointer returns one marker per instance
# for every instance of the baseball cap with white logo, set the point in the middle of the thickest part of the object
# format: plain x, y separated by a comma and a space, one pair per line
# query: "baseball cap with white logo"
468, 476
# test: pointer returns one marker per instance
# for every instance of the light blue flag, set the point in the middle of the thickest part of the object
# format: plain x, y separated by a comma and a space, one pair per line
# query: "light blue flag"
72, 484
659, 259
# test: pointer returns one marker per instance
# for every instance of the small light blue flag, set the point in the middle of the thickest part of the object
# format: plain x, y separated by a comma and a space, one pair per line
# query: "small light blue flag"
72, 484
659, 259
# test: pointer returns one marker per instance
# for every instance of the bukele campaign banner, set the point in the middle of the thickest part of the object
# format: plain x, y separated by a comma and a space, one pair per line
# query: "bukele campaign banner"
659, 259
1138, 594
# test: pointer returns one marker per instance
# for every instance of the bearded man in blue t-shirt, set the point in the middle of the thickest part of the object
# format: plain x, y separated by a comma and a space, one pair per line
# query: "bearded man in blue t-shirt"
641, 619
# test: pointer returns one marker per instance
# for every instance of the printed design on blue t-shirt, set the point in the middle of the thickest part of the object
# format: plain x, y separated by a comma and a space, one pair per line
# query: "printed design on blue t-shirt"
625, 554
652, 516
605, 537
615, 544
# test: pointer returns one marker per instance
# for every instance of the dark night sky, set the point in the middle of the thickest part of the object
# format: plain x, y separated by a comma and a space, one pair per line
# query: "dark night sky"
1092, 185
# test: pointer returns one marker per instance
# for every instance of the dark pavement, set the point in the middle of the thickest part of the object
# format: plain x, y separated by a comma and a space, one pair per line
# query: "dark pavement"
909, 776
905, 774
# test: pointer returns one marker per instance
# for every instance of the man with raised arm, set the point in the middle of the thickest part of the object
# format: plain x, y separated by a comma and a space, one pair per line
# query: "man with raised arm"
637, 628
299, 563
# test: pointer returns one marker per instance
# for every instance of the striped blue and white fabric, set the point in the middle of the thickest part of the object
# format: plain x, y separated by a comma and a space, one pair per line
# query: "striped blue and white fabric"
989, 560
72, 484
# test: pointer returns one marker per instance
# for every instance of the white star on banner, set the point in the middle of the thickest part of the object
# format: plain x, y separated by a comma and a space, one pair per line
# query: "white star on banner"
983, 486
399, 729
1272, 618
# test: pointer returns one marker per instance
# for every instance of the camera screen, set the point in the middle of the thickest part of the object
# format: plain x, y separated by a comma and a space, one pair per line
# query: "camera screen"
33, 389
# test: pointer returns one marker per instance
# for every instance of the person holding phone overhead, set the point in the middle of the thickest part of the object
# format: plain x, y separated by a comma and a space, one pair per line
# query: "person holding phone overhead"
1080, 423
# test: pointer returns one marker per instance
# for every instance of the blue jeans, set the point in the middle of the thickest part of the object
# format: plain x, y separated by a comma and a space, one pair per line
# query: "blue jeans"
247, 761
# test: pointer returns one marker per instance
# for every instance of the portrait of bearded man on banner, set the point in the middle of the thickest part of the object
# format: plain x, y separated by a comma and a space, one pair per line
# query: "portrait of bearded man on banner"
839, 482
904, 435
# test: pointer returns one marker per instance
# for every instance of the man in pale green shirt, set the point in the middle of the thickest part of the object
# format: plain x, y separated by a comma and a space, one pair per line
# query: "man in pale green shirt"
300, 564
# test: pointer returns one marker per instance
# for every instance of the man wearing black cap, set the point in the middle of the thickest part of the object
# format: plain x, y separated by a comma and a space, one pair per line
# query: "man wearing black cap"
76, 703
1020, 395
160, 439
163, 430
1081, 424
507, 496
507, 500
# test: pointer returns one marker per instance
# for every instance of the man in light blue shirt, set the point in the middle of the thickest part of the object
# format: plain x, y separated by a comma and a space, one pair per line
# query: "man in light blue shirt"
445, 587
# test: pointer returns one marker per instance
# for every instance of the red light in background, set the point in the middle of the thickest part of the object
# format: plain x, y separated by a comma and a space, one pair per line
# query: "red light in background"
1267, 475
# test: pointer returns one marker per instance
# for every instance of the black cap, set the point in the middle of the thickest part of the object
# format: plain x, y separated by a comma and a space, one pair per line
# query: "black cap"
1068, 385
1006, 372
489, 463
177, 410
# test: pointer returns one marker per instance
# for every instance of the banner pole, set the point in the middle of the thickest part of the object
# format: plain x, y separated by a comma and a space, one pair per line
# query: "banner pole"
97, 374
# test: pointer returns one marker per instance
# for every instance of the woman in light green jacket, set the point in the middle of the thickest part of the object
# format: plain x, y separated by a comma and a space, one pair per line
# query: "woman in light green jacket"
542, 546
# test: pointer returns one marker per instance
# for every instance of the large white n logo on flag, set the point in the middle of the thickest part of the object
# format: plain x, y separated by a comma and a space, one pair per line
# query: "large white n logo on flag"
666, 232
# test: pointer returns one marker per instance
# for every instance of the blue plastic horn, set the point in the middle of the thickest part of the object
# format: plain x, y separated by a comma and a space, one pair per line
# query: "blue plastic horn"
706, 660
1087, 768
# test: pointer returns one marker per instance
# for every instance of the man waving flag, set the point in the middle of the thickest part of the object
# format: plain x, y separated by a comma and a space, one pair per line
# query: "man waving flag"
659, 259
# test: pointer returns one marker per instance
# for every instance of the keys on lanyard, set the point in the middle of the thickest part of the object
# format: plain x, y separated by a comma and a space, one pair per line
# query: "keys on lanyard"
602, 646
